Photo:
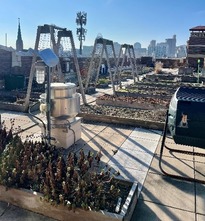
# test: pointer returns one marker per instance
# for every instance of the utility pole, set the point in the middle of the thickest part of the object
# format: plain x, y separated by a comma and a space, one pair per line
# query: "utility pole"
80, 21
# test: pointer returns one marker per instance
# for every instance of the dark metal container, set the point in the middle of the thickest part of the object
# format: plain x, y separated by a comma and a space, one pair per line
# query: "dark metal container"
186, 117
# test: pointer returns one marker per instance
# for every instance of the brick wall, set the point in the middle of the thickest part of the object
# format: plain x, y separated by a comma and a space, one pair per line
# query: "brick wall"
26, 62
5, 62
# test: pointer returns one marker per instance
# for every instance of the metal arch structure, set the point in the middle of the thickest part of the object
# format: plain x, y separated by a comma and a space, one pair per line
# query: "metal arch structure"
52, 31
126, 49
69, 36
100, 47
41, 31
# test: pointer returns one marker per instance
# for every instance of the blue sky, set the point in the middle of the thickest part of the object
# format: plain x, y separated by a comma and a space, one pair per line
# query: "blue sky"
122, 21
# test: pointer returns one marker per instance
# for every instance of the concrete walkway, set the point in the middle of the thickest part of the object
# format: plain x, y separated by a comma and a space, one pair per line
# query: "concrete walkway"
134, 153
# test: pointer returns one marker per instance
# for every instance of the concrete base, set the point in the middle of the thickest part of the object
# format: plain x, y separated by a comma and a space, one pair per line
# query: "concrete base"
65, 134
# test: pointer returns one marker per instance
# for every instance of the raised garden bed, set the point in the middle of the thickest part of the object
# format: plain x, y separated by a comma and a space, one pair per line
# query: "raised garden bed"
171, 78
131, 102
41, 178
35, 202
148, 124
152, 119
152, 94
173, 85
105, 85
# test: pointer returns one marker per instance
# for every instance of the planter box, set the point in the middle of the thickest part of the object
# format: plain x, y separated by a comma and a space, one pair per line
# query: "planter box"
12, 107
124, 121
33, 201
130, 94
90, 90
17, 107
102, 85
143, 106
151, 88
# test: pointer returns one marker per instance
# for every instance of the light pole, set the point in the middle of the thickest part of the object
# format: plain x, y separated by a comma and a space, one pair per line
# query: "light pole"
49, 59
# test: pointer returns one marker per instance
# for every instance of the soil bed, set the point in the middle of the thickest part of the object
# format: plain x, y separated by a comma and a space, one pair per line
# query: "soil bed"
132, 102
150, 94
172, 85
157, 115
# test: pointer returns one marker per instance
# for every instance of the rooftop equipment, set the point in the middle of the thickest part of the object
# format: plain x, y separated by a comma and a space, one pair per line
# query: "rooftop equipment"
185, 121
65, 105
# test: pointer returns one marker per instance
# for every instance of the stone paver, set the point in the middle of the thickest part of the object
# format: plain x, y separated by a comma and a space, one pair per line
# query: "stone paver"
87, 135
133, 158
96, 127
123, 130
199, 171
200, 217
140, 144
156, 212
200, 198
147, 134
173, 166
169, 192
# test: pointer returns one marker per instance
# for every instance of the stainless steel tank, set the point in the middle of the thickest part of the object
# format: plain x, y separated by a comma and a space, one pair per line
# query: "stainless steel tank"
65, 102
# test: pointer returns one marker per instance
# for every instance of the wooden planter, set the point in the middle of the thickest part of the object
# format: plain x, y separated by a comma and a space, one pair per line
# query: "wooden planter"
136, 94
105, 85
12, 107
90, 90
137, 105
125, 121
33, 201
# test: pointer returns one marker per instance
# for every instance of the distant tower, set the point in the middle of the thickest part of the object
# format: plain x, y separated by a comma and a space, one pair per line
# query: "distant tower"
80, 21
171, 47
19, 41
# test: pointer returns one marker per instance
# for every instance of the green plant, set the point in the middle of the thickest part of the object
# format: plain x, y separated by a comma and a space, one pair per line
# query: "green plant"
103, 81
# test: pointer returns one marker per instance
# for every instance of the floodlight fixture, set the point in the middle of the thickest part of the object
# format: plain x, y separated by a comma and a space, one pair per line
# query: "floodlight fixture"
40, 72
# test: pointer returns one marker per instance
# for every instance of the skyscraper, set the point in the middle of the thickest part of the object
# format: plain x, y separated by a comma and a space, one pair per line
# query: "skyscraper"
152, 48
171, 47
19, 41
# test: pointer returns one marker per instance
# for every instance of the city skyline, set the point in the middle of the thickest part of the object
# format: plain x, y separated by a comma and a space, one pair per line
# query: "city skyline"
121, 21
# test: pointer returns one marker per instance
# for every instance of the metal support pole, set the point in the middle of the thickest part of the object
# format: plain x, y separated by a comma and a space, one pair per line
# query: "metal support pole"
132, 63
109, 68
198, 71
117, 69
98, 69
48, 110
